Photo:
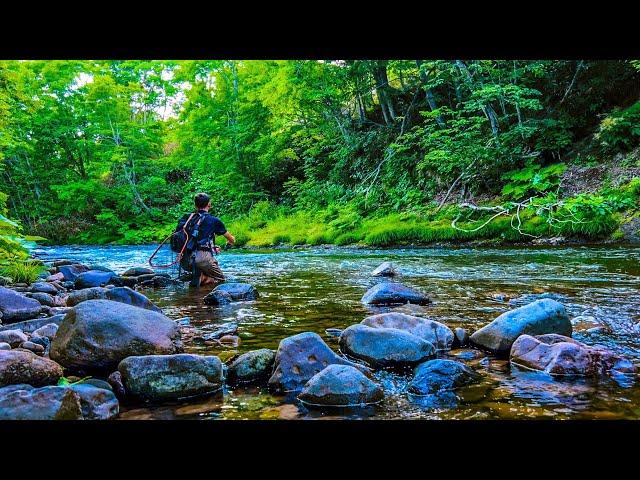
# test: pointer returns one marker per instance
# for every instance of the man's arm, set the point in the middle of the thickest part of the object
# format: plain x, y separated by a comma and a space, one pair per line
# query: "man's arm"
230, 238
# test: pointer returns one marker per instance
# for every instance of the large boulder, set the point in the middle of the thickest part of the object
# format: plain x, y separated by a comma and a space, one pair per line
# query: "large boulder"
96, 403
98, 334
560, 355
433, 332
386, 269
15, 307
384, 347
137, 271
299, 358
233, 291
168, 377
439, 375
23, 402
44, 287
93, 278
71, 272
537, 318
340, 386
21, 366
250, 367
393, 293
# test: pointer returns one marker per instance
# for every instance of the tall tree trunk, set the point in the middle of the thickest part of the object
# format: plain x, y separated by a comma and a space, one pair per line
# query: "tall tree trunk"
487, 109
431, 101
383, 90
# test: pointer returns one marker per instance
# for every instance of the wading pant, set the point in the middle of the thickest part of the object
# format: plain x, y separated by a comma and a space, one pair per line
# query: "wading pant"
208, 265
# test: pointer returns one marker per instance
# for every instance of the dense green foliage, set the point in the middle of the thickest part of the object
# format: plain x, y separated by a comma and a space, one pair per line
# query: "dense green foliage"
371, 151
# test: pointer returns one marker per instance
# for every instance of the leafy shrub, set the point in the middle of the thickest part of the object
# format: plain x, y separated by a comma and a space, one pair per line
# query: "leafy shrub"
26, 271
532, 179
620, 131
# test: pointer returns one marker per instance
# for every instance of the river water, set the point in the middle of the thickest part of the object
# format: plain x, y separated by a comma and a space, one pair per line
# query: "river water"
314, 289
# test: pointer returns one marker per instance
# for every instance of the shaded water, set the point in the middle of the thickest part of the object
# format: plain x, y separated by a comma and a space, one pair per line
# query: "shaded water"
319, 288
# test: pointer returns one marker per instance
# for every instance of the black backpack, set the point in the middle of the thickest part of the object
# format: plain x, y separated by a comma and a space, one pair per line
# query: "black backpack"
184, 238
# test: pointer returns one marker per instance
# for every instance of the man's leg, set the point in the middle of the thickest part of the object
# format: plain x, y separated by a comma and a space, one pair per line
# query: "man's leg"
209, 267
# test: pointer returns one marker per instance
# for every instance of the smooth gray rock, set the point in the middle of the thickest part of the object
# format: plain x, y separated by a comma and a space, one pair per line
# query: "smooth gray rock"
15, 307
537, 318
96, 403
393, 293
340, 386
433, 332
5, 346
49, 330
93, 278
117, 294
386, 269
71, 272
384, 347
168, 377
98, 334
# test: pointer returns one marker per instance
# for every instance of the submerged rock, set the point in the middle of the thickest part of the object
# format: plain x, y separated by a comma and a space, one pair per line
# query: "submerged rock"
23, 402
15, 307
97, 334
251, 367
229, 328
384, 347
537, 318
299, 358
167, 377
433, 332
461, 338
340, 386
560, 355
438, 375
232, 291
386, 269
390, 293
93, 278
21, 366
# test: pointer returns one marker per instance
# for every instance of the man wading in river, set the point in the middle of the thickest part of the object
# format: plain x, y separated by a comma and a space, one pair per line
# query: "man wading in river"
199, 253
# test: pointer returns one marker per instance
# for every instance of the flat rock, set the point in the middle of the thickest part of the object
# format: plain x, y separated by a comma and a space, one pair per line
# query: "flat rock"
340, 386
299, 358
393, 293
98, 334
433, 332
167, 377
384, 347
29, 326
560, 355
15, 307
537, 318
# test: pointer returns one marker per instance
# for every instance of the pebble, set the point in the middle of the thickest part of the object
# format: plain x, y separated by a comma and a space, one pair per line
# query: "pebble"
230, 340
5, 346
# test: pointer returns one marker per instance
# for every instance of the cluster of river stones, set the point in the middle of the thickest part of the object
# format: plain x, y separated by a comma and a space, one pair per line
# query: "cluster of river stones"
82, 340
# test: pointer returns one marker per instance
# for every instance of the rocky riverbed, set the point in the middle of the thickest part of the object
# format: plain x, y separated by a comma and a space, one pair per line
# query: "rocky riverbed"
101, 343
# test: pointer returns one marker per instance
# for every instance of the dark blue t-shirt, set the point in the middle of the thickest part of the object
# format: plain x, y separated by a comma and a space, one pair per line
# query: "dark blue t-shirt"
208, 228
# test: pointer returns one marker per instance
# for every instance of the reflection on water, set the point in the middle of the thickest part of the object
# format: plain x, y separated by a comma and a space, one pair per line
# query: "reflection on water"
315, 289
